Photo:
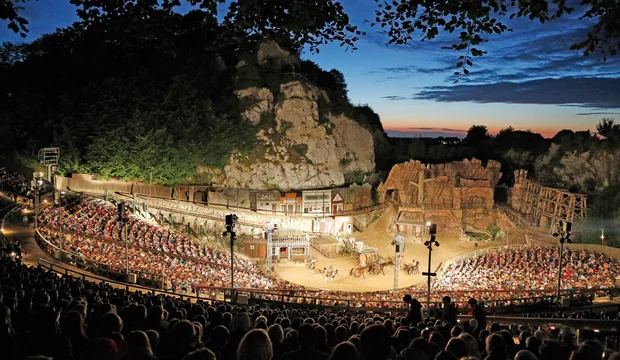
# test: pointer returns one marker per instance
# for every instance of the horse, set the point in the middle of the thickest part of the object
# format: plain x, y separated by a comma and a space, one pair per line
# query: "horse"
333, 275
327, 273
409, 269
375, 269
358, 271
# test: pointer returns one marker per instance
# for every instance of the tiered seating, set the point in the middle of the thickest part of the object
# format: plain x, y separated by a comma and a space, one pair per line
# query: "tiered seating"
61, 317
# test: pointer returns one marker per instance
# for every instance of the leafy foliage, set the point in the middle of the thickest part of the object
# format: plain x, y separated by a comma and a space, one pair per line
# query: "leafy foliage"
609, 129
494, 230
297, 23
9, 10
476, 21
127, 96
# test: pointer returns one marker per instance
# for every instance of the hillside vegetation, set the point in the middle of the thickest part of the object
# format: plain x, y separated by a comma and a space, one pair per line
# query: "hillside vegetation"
141, 92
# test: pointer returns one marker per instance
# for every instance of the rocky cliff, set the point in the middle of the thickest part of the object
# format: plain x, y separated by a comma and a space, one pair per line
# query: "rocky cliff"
300, 144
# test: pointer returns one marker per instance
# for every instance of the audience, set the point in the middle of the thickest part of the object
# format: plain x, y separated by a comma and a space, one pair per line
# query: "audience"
91, 232
46, 315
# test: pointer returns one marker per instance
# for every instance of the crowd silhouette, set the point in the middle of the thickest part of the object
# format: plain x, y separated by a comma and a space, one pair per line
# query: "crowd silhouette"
51, 316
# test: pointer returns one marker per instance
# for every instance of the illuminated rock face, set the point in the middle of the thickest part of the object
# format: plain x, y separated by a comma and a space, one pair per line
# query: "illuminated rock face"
299, 145
455, 185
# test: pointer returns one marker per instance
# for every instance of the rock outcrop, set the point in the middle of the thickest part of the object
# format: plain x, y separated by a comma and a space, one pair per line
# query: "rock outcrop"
300, 146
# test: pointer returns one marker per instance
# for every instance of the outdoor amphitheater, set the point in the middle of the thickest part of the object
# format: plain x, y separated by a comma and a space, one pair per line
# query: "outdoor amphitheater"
180, 248
362, 269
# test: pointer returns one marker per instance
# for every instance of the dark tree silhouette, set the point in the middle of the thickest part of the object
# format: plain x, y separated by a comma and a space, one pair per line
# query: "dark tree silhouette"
9, 11
477, 136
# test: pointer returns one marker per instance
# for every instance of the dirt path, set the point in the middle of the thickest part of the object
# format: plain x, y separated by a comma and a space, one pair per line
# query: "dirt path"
378, 235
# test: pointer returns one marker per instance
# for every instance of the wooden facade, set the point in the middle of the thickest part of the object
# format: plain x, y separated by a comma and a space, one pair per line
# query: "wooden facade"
256, 249
546, 206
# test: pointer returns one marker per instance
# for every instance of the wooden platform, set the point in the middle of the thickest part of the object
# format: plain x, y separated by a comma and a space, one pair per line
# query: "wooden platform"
325, 245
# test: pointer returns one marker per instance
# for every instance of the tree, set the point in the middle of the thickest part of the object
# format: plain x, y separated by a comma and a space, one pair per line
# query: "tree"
339, 85
9, 10
298, 23
477, 136
609, 129
475, 21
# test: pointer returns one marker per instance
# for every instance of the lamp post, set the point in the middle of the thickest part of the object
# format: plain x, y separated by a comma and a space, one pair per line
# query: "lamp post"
37, 183
564, 228
269, 230
231, 222
432, 231
399, 247
122, 217
60, 240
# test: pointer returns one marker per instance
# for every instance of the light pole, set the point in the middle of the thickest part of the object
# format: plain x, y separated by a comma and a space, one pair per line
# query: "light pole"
432, 231
269, 231
399, 247
122, 217
564, 228
231, 222
37, 191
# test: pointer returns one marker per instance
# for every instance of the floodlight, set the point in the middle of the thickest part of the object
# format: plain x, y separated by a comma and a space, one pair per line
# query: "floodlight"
566, 226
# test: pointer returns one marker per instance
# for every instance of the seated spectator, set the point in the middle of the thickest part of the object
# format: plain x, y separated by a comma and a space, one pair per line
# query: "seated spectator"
345, 351
307, 342
255, 345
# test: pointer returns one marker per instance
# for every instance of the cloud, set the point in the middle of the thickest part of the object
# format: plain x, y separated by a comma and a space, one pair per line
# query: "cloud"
595, 93
396, 97
597, 113
437, 129
420, 134
413, 132
532, 51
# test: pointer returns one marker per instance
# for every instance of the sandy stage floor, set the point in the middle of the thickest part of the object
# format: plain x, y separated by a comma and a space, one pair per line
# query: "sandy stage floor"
377, 235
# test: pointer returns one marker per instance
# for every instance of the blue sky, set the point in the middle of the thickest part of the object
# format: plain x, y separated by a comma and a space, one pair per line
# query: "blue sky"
529, 79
